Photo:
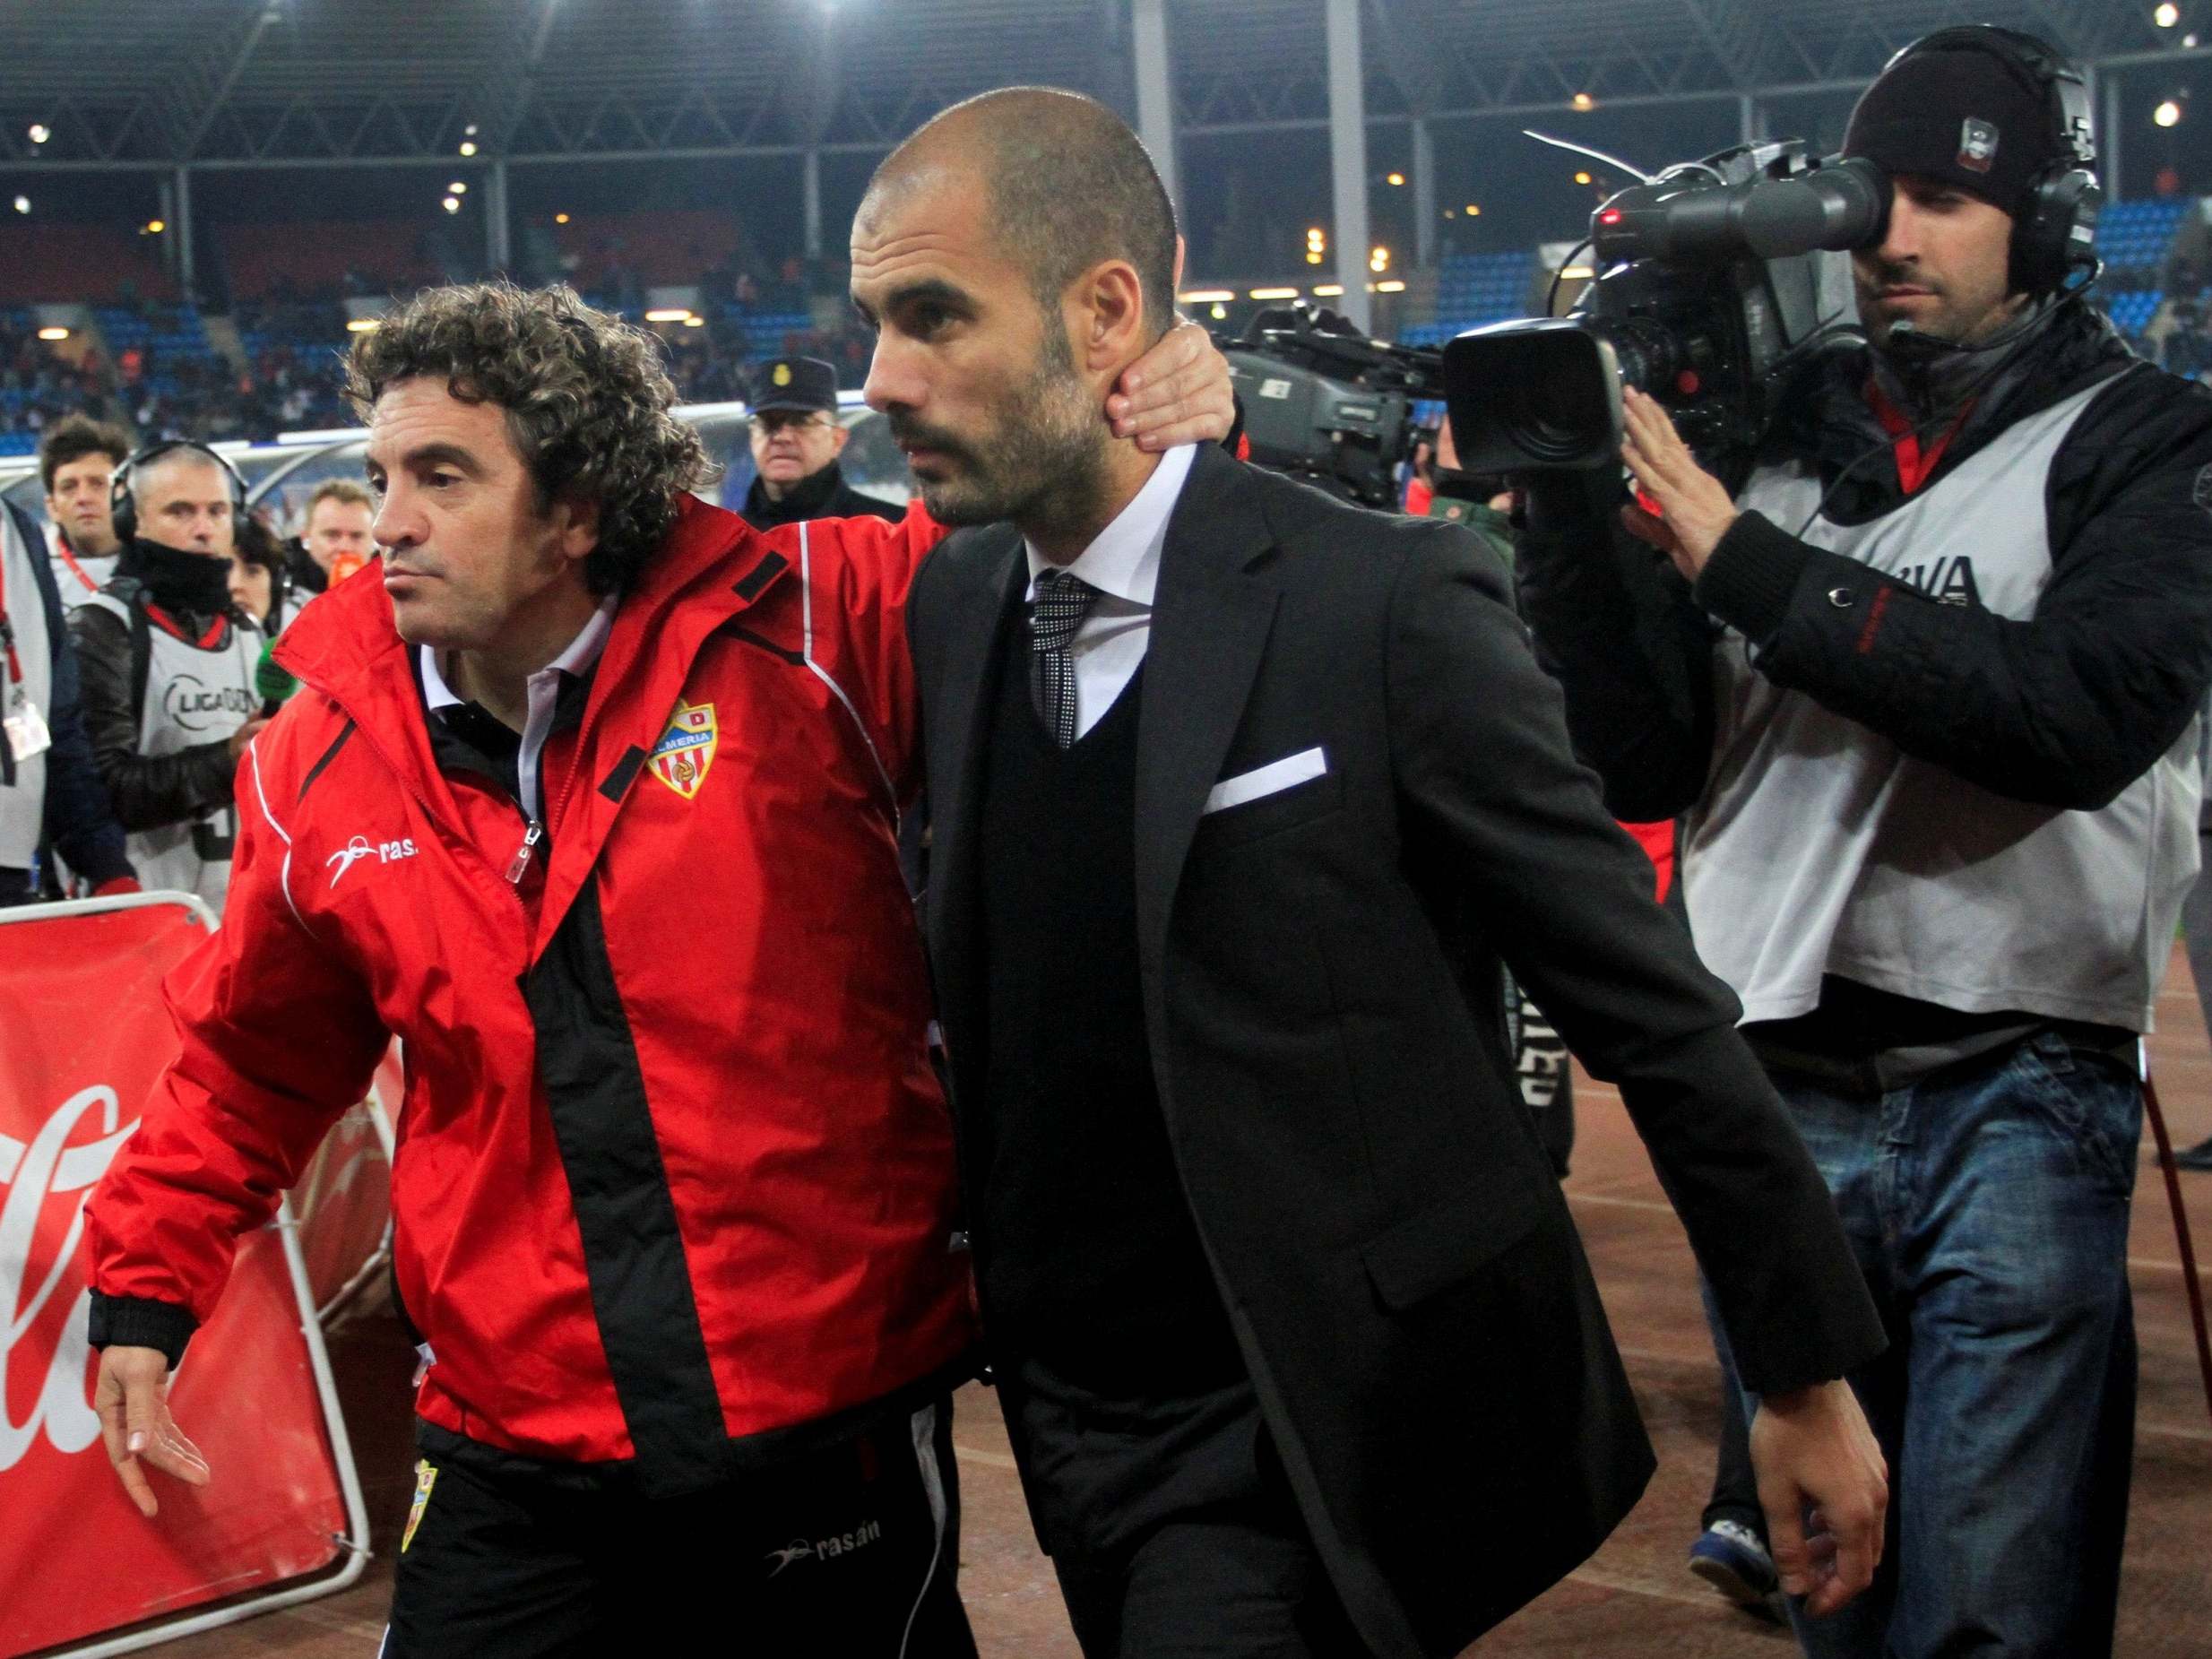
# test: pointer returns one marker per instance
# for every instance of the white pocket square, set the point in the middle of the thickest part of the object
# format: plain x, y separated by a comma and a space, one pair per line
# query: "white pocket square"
1271, 779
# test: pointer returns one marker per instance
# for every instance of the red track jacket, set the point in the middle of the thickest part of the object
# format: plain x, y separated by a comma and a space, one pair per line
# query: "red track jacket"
674, 1179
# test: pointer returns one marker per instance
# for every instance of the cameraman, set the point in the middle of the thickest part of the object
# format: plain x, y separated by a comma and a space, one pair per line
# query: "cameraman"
1926, 689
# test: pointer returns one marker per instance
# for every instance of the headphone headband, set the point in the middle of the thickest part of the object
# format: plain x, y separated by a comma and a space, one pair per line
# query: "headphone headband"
152, 452
2055, 230
2062, 83
123, 505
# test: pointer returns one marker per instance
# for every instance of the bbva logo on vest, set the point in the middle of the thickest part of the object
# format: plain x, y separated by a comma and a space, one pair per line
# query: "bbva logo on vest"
1948, 580
192, 703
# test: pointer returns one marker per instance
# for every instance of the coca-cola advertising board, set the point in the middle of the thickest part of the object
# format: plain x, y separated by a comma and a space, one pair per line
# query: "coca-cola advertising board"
84, 1033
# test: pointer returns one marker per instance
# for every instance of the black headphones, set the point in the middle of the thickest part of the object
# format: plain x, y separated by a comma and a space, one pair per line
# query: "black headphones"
2055, 232
123, 505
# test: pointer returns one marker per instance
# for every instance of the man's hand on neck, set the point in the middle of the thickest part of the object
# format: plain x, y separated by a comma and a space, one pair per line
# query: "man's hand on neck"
1177, 391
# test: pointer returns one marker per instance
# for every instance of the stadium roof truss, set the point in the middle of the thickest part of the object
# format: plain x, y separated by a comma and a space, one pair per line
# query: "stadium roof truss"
252, 83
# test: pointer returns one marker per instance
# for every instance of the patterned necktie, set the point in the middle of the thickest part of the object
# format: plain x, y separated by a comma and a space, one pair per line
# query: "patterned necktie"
1054, 615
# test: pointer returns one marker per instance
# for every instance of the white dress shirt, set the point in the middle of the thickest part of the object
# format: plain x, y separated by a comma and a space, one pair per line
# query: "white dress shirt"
544, 688
1123, 563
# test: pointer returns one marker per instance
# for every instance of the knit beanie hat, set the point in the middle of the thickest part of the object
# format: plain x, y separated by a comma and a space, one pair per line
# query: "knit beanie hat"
1965, 115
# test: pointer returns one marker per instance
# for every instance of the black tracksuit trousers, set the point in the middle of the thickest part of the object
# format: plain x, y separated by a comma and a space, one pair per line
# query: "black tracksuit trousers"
851, 1551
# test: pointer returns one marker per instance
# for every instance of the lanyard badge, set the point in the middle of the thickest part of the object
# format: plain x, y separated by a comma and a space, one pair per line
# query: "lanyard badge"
26, 726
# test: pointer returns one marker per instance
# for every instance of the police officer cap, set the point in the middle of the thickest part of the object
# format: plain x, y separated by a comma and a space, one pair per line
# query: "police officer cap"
796, 383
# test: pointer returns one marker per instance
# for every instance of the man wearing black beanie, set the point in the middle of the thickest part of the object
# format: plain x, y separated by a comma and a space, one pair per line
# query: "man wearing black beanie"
1925, 692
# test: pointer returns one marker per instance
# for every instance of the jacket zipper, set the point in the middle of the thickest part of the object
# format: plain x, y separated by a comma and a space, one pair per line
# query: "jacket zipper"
520, 860
517, 865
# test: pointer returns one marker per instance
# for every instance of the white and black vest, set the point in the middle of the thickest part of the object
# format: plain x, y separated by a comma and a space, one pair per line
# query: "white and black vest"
1820, 849
76, 577
23, 799
193, 695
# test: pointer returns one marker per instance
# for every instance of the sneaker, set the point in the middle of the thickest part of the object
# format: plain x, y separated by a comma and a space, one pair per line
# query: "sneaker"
1732, 1559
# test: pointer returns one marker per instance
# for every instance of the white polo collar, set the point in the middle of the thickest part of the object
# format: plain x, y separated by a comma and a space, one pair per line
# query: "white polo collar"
544, 688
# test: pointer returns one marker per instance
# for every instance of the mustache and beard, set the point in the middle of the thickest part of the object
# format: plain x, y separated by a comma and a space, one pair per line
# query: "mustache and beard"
1945, 321
1933, 365
1871, 276
1041, 464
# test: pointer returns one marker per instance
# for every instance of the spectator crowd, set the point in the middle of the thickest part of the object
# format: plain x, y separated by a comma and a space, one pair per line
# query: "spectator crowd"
292, 376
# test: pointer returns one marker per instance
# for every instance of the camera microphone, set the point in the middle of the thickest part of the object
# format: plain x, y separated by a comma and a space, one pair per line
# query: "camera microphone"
2006, 344
1902, 335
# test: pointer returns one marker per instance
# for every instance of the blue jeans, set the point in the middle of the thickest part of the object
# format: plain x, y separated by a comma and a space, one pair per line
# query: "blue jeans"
1988, 1206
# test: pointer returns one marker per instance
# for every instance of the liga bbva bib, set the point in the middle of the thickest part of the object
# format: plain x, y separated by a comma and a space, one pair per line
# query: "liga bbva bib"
194, 695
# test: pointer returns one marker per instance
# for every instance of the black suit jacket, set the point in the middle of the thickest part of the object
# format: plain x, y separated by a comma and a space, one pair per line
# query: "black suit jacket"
1322, 1006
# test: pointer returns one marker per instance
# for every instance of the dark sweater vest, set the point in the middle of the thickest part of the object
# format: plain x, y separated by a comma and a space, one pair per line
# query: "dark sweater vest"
1088, 1256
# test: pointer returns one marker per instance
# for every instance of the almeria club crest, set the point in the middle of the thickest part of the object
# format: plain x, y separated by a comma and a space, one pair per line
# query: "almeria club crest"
685, 749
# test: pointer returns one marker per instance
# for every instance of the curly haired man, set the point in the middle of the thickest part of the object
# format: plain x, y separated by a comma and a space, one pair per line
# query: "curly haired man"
591, 800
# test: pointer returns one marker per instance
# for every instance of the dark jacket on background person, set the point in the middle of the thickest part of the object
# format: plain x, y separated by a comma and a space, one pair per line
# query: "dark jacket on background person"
1322, 1017
150, 789
79, 821
818, 494
302, 574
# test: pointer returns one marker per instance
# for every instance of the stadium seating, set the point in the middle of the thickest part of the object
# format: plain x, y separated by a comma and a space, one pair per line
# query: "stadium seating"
2131, 312
319, 256
655, 248
2139, 236
1473, 290
168, 335
307, 331
616, 259
15, 323
41, 262
765, 331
